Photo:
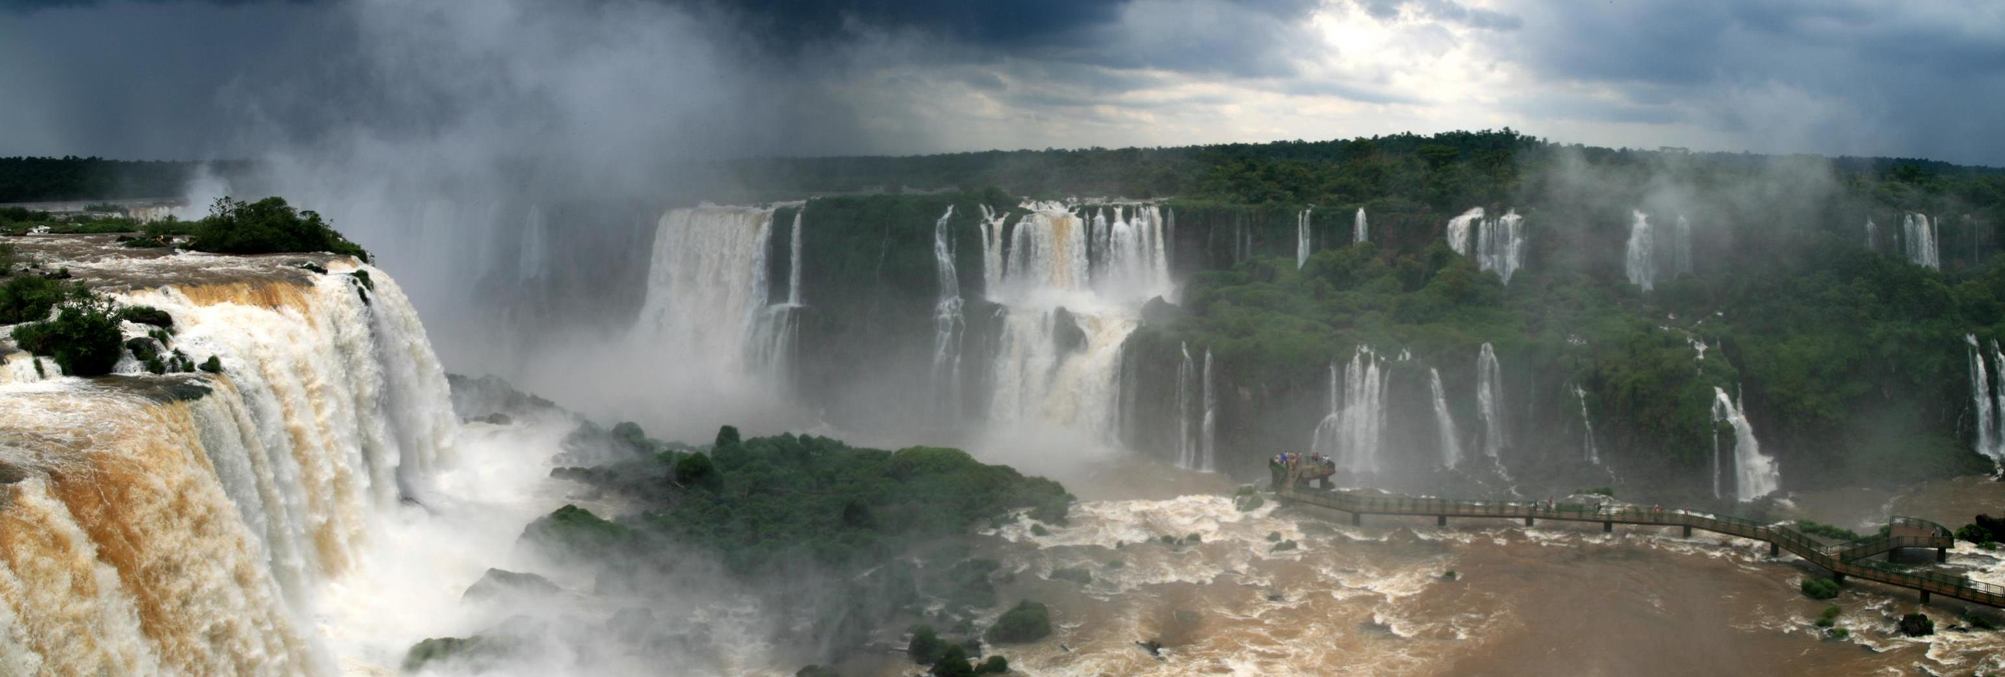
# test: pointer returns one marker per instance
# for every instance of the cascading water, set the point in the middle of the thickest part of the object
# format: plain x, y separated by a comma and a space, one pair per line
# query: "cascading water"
948, 324
1989, 439
1639, 257
1444, 422
1066, 318
1681, 248
1353, 430
1872, 234
1188, 449
191, 536
1302, 237
1755, 474
1360, 229
1490, 401
1918, 239
706, 297
1208, 429
1588, 448
1498, 245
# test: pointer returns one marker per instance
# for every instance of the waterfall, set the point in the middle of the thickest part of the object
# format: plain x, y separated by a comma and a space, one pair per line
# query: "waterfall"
1918, 238
1067, 312
1490, 401
1681, 248
1188, 448
948, 323
1353, 430
1755, 474
1499, 243
992, 250
1302, 238
1458, 229
190, 536
1639, 259
1451, 444
1208, 442
1989, 439
1360, 230
1588, 449
706, 294
1872, 234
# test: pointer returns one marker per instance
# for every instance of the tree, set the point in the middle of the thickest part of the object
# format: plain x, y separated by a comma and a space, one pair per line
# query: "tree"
696, 470
268, 226
84, 338
925, 647
1027, 622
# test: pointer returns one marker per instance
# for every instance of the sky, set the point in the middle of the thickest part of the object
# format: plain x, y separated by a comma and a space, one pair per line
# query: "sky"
201, 79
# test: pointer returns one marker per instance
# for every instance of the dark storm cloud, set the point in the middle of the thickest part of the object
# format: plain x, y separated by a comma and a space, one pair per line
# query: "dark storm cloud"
1832, 76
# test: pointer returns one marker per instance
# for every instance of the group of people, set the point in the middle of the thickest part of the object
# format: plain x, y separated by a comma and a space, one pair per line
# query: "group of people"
1314, 466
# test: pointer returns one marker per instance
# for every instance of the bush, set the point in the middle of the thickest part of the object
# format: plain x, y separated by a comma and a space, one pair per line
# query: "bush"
1027, 622
696, 470
84, 338
29, 298
925, 647
953, 663
265, 227
1820, 588
1827, 531
1829, 617
147, 315
995, 665
1917, 625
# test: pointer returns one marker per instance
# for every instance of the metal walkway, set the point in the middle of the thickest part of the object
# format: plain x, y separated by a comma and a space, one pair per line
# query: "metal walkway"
1841, 559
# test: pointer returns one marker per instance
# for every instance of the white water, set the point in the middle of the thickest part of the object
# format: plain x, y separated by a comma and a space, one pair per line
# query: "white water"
1755, 474
1490, 401
1353, 431
1208, 429
1302, 238
1360, 229
1588, 448
1872, 234
706, 292
1988, 440
1681, 248
948, 323
1639, 257
1444, 422
197, 537
1919, 238
1188, 449
1049, 266
1499, 243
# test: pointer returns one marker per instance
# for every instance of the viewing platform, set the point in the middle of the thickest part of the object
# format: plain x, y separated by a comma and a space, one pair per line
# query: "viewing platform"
1848, 559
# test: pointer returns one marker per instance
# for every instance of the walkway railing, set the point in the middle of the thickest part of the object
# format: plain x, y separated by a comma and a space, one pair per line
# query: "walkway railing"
1841, 559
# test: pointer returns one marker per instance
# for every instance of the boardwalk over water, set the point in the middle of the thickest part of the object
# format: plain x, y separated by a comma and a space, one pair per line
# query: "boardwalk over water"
1843, 560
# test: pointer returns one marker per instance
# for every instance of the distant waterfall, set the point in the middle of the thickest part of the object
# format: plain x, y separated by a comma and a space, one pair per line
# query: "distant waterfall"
1189, 453
1755, 474
1872, 234
1588, 449
1451, 444
1919, 238
1353, 430
1302, 237
779, 326
1499, 244
1639, 258
1681, 247
1490, 401
1208, 429
1360, 229
1989, 439
706, 295
948, 323
992, 250
1068, 309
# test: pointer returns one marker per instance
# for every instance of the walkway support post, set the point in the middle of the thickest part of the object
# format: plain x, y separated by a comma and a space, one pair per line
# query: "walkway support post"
1528, 521
1924, 597
1941, 555
1357, 519
1774, 549
1607, 526
1688, 531
1837, 577
1440, 520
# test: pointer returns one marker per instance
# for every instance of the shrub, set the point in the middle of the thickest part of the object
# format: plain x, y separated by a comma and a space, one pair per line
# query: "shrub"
265, 227
146, 315
1829, 617
925, 647
84, 338
1820, 588
30, 297
696, 470
1917, 625
1027, 622
1826, 530
995, 665
213, 365
953, 663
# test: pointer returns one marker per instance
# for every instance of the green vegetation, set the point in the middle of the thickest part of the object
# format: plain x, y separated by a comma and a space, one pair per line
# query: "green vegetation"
1983, 530
1820, 588
925, 648
1829, 617
37, 179
265, 227
147, 315
84, 337
27, 298
1827, 531
468, 649
1026, 622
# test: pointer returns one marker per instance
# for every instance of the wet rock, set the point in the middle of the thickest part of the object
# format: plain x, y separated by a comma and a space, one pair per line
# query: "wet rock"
499, 583
1065, 331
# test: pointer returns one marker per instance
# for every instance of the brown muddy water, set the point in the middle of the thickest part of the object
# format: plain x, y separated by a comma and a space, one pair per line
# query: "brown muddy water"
1380, 598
